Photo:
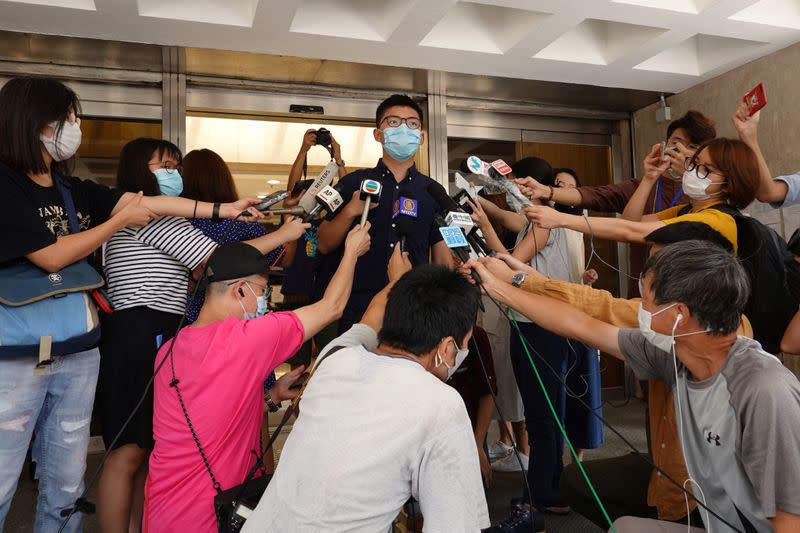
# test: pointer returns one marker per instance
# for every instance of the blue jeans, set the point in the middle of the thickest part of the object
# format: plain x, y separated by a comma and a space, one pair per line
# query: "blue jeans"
58, 407
547, 443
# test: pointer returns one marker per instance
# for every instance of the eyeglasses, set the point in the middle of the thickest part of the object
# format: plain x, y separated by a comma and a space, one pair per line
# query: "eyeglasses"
393, 121
169, 166
702, 170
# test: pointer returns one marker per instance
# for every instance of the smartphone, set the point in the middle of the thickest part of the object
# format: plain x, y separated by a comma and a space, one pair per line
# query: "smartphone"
663, 149
301, 185
755, 99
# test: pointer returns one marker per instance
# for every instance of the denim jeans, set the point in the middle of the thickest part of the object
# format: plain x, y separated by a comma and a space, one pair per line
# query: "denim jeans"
57, 406
547, 443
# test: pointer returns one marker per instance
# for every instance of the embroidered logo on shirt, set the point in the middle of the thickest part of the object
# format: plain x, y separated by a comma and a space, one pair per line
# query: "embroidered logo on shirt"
714, 438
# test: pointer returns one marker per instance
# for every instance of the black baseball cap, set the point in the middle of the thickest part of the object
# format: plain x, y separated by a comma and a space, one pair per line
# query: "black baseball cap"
235, 260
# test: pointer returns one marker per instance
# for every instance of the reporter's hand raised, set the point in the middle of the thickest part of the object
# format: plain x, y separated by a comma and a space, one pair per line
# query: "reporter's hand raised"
358, 240
746, 126
654, 166
399, 264
134, 214
293, 229
532, 188
544, 217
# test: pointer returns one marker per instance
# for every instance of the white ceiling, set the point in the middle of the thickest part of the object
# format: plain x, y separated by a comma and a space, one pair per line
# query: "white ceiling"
662, 45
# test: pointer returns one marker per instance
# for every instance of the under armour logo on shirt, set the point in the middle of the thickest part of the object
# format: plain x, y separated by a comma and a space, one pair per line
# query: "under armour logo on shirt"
714, 438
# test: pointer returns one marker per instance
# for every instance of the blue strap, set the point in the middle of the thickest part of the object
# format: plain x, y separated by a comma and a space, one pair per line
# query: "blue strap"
69, 205
677, 197
659, 195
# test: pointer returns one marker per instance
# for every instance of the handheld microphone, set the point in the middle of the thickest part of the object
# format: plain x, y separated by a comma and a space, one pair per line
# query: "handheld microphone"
457, 217
497, 170
370, 190
406, 210
296, 211
271, 200
455, 240
325, 178
328, 199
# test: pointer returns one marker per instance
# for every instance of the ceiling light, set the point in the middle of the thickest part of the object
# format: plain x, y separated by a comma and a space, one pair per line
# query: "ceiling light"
261, 195
273, 182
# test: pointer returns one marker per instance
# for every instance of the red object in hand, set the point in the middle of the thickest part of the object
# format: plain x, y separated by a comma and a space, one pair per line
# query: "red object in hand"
755, 99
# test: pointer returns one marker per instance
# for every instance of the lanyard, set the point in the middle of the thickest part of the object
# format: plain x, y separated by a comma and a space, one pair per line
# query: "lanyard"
659, 195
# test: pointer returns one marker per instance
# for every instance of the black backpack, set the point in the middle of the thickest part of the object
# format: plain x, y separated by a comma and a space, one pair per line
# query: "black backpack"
774, 278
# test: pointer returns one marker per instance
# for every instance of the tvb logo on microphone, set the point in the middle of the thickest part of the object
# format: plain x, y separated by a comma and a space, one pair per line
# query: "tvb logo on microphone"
406, 207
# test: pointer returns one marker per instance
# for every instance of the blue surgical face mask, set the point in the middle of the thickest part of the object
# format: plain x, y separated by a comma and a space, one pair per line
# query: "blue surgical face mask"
261, 305
170, 182
401, 142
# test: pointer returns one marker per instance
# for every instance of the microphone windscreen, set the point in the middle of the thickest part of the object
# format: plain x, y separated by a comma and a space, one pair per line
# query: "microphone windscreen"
441, 197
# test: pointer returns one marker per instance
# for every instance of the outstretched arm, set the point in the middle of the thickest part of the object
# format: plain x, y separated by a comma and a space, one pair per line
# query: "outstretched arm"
615, 229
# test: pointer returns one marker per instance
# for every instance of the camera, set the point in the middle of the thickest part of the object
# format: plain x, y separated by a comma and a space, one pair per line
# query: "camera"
323, 137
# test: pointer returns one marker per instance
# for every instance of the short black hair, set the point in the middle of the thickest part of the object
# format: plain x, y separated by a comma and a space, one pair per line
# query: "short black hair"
426, 305
565, 170
710, 281
402, 100
686, 231
27, 105
697, 126
133, 174
535, 167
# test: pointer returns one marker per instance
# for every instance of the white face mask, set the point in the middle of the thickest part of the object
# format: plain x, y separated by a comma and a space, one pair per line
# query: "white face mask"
67, 143
695, 187
461, 354
660, 340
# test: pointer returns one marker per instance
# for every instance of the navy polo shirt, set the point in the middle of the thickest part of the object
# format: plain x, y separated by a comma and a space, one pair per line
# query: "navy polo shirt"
371, 269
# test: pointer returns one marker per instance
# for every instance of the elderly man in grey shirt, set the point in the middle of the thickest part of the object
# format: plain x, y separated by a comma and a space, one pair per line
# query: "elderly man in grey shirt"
738, 407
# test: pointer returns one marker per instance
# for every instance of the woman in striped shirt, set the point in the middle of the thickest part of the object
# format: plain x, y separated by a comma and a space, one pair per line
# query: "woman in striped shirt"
147, 271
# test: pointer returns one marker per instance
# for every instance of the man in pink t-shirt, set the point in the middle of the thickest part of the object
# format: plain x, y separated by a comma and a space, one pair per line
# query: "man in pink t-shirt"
220, 364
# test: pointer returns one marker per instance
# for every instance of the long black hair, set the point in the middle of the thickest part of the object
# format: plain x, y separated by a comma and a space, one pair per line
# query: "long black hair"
27, 106
133, 173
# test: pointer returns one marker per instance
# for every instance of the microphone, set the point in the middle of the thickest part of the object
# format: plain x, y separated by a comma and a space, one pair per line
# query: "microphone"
497, 170
328, 199
406, 210
269, 201
309, 200
370, 190
454, 239
457, 217
296, 211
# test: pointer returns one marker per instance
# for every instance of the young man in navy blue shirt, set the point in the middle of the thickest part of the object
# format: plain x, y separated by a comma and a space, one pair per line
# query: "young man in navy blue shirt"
398, 127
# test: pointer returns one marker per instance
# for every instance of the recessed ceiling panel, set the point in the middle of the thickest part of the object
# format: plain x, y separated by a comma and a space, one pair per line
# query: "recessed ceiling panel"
780, 13
229, 12
681, 6
86, 5
598, 42
353, 19
700, 54
483, 28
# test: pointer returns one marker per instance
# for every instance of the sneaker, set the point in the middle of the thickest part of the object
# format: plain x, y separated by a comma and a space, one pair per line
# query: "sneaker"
498, 450
520, 520
510, 463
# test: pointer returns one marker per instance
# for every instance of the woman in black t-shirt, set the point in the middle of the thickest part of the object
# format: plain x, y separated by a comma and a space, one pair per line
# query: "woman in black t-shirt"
39, 136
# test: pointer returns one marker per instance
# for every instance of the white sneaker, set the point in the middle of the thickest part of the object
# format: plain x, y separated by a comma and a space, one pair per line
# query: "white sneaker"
498, 450
510, 463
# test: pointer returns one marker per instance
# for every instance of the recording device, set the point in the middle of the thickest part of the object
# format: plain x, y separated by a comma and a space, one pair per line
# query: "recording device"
447, 204
301, 185
328, 199
325, 178
406, 210
323, 137
296, 211
755, 99
271, 200
370, 191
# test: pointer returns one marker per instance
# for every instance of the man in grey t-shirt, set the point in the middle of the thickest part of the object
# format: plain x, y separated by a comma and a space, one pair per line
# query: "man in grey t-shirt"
738, 409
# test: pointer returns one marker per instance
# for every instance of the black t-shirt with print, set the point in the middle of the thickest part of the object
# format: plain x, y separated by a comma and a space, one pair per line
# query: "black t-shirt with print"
33, 216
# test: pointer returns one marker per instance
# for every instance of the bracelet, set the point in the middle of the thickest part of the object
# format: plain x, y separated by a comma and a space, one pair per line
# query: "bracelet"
550, 196
271, 405
215, 212
194, 213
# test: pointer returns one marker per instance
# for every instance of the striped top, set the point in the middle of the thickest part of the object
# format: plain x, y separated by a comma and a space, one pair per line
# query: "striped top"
150, 266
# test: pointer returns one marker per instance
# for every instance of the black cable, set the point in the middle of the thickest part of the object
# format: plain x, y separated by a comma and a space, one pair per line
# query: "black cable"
522, 469
75, 508
612, 428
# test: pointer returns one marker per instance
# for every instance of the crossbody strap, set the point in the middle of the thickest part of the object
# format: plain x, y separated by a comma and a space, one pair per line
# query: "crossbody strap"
259, 459
69, 204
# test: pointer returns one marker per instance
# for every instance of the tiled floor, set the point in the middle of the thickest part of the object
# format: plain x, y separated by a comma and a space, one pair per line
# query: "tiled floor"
629, 420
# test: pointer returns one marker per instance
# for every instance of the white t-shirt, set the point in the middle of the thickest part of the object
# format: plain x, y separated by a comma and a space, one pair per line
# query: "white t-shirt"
372, 432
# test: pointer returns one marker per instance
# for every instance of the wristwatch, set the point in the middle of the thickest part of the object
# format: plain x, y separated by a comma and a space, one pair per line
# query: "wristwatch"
271, 406
340, 164
518, 279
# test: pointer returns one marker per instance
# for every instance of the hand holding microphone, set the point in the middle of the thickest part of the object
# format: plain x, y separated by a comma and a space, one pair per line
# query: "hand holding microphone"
399, 264
358, 240
369, 193
293, 229
544, 217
